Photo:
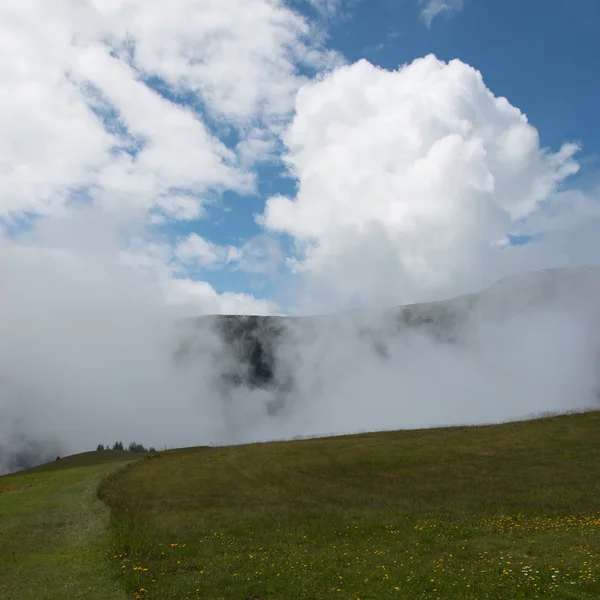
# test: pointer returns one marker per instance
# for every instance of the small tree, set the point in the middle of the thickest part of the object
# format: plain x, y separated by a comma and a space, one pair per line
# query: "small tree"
134, 447
100, 447
118, 446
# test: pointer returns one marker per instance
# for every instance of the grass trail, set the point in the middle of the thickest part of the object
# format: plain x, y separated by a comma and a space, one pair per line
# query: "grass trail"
500, 512
53, 533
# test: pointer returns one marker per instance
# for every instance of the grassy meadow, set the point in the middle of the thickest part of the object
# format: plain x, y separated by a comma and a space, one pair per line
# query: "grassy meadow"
501, 512
53, 531
507, 511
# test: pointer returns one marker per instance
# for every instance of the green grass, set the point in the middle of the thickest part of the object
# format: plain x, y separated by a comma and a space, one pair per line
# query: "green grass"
85, 459
504, 512
53, 531
508, 511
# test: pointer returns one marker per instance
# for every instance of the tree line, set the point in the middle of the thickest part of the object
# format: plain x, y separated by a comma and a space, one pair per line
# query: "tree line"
133, 447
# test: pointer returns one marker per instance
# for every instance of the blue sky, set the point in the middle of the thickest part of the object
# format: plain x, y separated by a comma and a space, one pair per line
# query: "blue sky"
542, 56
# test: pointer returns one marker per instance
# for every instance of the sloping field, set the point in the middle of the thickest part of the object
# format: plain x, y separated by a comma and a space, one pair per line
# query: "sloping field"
507, 511
53, 531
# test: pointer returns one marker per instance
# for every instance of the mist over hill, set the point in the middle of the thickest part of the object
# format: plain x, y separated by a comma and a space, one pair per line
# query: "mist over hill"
528, 344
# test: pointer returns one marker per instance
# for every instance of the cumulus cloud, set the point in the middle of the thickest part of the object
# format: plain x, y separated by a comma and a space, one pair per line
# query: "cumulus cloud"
409, 180
88, 99
434, 8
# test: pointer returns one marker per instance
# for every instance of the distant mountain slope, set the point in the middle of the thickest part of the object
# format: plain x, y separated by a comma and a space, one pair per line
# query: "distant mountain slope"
260, 347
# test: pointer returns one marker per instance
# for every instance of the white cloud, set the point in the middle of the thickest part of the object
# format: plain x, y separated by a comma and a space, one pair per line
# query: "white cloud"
260, 255
76, 254
80, 123
52, 142
178, 208
326, 7
49, 139
257, 146
240, 57
434, 8
408, 180
198, 297
198, 253
76, 111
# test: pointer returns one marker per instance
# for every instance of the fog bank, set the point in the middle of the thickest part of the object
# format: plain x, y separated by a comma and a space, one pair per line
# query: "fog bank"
103, 363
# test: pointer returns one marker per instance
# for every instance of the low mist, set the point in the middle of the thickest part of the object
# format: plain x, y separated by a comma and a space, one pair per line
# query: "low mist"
91, 356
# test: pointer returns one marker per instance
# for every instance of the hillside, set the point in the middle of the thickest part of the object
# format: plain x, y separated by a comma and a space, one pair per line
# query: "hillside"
466, 513
84, 459
54, 531
507, 511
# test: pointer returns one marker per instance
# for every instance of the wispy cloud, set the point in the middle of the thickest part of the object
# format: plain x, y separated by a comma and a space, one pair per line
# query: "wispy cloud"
330, 8
434, 8
384, 43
